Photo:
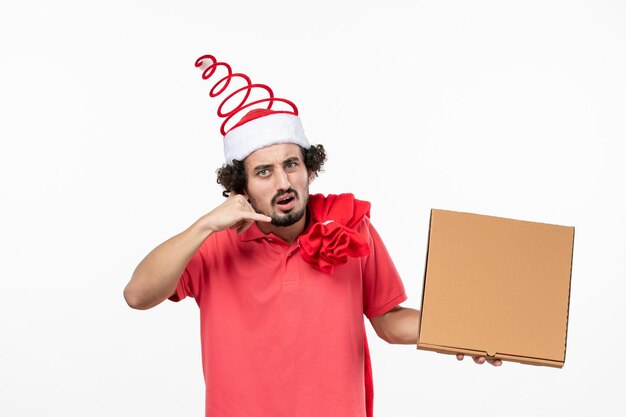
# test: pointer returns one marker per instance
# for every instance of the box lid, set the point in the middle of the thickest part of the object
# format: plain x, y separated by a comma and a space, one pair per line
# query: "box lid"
496, 287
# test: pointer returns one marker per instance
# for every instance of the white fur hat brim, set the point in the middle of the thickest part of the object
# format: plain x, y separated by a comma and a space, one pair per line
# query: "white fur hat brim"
258, 133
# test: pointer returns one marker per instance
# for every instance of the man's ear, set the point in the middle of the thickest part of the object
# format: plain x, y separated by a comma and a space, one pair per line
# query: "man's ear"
311, 177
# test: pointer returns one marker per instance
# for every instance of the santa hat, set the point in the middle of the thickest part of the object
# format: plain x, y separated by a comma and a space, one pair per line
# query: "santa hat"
260, 127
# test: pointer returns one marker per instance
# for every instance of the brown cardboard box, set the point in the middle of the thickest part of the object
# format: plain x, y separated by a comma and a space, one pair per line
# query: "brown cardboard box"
496, 287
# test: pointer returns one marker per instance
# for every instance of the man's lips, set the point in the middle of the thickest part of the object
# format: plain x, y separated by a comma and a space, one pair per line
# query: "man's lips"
285, 198
286, 201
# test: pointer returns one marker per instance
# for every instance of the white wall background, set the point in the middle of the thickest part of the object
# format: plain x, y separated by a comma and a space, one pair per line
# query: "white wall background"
110, 143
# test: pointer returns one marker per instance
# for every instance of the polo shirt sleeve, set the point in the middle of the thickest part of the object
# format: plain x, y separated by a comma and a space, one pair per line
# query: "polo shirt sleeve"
382, 286
190, 282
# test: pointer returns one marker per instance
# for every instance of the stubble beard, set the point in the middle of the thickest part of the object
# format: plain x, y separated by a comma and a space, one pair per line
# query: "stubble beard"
286, 219
289, 219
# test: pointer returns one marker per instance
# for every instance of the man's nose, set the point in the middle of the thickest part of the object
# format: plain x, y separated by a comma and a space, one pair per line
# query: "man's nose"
282, 180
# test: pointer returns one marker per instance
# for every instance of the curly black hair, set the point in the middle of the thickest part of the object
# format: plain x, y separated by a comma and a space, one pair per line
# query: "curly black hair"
233, 177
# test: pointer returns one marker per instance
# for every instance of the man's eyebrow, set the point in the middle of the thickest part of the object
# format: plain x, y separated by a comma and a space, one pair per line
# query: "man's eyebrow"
261, 167
268, 166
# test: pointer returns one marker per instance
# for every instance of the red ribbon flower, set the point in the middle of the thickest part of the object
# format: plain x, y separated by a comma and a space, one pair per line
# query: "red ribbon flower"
331, 238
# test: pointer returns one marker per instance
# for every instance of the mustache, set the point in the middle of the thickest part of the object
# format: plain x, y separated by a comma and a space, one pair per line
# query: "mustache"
282, 193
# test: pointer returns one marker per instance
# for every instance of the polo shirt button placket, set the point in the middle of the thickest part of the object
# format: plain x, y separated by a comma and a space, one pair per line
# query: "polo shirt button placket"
290, 278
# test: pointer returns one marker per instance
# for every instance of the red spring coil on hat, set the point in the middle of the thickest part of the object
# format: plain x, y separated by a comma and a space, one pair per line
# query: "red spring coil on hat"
220, 86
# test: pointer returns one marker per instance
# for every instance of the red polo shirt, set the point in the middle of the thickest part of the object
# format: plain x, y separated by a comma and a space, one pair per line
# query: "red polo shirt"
280, 338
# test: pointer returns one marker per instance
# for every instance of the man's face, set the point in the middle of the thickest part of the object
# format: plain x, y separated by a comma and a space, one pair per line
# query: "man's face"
278, 183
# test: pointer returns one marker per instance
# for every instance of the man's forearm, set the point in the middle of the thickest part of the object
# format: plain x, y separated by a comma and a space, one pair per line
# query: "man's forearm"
399, 325
157, 275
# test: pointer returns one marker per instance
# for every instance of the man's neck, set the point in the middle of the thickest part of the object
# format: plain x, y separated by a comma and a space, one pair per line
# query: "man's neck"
288, 233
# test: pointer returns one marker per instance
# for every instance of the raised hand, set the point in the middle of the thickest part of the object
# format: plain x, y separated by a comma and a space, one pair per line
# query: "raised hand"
234, 213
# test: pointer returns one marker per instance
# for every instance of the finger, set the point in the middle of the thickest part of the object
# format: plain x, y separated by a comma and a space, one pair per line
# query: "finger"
460, 356
247, 220
495, 362
231, 196
479, 359
257, 217
250, 210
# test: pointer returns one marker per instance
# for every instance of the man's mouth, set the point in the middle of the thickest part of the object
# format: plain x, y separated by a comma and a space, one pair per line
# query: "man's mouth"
286, 202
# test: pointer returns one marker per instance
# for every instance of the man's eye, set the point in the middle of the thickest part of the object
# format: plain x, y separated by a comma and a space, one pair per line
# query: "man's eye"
263, 173
291, 164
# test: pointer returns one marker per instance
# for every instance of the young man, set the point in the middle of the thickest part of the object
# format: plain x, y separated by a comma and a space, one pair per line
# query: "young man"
279, 336
282, 280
